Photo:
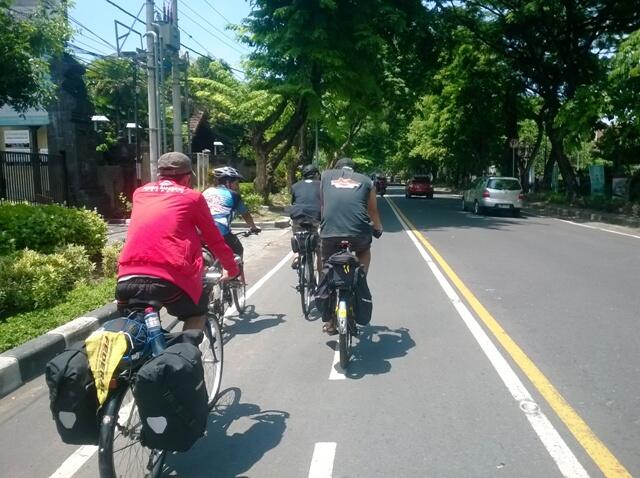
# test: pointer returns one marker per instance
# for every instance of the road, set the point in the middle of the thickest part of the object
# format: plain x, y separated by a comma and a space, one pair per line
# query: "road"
499, 347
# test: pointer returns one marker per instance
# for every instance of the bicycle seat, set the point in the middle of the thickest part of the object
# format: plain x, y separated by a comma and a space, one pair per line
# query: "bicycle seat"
139, 304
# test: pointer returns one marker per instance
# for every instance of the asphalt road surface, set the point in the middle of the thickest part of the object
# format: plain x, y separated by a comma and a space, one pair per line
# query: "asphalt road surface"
499, 346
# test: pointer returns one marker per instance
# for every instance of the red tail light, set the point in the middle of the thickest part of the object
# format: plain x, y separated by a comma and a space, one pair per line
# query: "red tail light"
521, 196
485, 194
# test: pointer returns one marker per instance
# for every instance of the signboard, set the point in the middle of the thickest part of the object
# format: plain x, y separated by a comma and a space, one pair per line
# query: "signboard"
17, 140
620, 187
596, 174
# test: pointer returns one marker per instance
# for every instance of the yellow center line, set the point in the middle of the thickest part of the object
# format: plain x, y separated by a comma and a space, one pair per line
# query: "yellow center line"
599, 453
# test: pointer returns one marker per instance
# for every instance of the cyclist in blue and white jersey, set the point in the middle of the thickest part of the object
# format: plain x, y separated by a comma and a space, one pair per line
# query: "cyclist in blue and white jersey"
224, 203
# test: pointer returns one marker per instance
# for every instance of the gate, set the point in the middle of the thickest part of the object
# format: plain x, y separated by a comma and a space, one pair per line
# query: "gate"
33, 177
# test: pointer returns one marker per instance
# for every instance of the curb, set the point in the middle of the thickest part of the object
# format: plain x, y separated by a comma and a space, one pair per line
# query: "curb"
27, 361
585, 214
279, 224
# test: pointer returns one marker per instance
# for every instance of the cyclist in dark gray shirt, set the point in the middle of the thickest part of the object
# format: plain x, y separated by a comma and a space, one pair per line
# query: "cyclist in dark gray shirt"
305, 209
349, 211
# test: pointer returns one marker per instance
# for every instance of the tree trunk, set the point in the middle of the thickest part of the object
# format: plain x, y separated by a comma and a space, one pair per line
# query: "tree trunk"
558, 155
261, 183
511, 128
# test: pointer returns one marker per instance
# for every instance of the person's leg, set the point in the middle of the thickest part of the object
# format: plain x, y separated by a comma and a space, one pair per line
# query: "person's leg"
364, 257
362, 247
191, 314
194, 323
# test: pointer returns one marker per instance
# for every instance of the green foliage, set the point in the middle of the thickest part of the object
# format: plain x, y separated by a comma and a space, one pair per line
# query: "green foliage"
32, 280
246, 188
44, 228
20, 328
110, 255
27, 42
253, 201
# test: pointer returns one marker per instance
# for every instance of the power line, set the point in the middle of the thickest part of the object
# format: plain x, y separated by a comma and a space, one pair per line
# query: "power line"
88, 52
92, 32
214, 9
215, 28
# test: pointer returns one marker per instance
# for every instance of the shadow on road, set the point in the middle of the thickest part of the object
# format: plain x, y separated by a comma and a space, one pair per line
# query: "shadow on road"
238, 436
375, 346
445, 213
251, 322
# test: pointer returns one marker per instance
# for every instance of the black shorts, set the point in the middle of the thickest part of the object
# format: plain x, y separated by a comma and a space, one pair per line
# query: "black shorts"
234, 243
304, 224
172, 297
331, 245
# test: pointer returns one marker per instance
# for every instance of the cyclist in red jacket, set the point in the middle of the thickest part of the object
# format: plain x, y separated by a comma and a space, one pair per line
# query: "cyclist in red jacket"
162, 256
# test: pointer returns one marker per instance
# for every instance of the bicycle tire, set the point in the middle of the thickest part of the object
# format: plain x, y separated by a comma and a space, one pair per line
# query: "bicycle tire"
212, 359
119, 447
344, 342
239, 293
303, 286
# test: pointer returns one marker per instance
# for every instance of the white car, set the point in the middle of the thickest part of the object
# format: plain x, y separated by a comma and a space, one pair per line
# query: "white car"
494, 193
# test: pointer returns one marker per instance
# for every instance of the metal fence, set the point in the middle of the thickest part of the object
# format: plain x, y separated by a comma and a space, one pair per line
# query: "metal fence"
33, 177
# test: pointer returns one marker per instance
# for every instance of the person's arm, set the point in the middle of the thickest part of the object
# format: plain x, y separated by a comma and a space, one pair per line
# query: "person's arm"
372, 209
213, 239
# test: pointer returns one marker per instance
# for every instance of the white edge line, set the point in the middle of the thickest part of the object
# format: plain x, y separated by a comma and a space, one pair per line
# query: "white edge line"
232, 310
564, 458
75, 462
598, 228
72, 464
322, 461
336, 371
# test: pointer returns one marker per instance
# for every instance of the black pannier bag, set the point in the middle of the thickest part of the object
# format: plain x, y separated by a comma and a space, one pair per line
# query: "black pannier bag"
363, 303
172, 399
72, 396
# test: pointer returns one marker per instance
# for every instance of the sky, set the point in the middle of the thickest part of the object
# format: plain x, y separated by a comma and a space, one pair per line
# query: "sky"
203, 23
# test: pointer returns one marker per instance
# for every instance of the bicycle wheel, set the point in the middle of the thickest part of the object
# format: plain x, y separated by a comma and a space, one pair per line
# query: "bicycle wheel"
239, 293
303, 286
344, 334
212, 355
120, 453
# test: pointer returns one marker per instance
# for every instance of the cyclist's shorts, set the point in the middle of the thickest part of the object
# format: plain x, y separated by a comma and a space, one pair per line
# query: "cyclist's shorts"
174, 299
331, 245
304, 224
234, 243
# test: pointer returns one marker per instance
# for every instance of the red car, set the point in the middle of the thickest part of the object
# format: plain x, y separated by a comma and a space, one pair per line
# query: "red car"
419, 186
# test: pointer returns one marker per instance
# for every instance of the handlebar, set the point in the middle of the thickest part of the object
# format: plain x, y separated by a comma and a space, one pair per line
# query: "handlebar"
248, 232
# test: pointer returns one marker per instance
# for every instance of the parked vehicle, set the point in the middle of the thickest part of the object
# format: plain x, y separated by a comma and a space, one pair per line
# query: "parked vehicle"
419, 186
494, 193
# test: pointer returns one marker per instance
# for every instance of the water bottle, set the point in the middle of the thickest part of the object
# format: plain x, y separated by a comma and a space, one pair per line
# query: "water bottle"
154, 331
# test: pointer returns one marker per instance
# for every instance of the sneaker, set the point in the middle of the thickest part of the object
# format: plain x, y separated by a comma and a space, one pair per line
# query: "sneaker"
294, 264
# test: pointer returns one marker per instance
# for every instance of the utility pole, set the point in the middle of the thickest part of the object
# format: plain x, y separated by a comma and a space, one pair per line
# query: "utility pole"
175, 72
152, 67
187, 113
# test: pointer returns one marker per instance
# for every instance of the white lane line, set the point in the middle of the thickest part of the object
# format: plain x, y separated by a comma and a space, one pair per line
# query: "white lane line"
564, 458
322, 460
232, 310
72, 464
336, 370
75, 461
598, 228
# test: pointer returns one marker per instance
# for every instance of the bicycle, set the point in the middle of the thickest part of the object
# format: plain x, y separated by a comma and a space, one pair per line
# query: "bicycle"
307, 277
120, 451
225, 293
344, 313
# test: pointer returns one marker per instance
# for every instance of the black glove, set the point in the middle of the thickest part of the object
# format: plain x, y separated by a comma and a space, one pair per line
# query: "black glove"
377, 233
256, 230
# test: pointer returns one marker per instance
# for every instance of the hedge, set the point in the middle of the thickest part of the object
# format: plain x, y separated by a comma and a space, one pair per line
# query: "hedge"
31, 280
44, 228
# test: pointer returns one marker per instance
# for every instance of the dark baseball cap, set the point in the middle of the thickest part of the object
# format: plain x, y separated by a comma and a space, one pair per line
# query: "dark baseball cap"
345, 163
174, 164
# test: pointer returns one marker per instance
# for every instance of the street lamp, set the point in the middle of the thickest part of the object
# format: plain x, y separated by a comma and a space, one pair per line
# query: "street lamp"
97, 119
131, 126
215, 144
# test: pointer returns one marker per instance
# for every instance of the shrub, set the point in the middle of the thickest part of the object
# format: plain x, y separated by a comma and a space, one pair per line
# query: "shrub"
253, 201
31, 280
110, 255
44, 228
246, 188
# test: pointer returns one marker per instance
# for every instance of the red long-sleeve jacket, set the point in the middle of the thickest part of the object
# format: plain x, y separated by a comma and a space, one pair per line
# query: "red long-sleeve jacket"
163, 240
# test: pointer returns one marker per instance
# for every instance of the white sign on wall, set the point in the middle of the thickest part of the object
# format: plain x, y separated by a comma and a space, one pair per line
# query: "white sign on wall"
17, 140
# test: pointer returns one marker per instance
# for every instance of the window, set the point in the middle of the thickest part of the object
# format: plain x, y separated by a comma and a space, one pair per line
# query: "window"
504, 184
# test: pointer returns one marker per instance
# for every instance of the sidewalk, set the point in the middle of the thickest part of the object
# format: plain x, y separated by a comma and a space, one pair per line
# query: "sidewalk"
26, 362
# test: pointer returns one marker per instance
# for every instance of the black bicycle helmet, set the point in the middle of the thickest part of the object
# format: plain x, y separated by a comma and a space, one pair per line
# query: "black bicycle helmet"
227, 173
310, 170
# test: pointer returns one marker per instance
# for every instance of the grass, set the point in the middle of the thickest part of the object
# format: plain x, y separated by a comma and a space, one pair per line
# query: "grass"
20, 328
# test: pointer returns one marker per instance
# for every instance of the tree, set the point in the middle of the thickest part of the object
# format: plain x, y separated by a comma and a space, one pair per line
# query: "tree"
27, 42
303, 50
555, 47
